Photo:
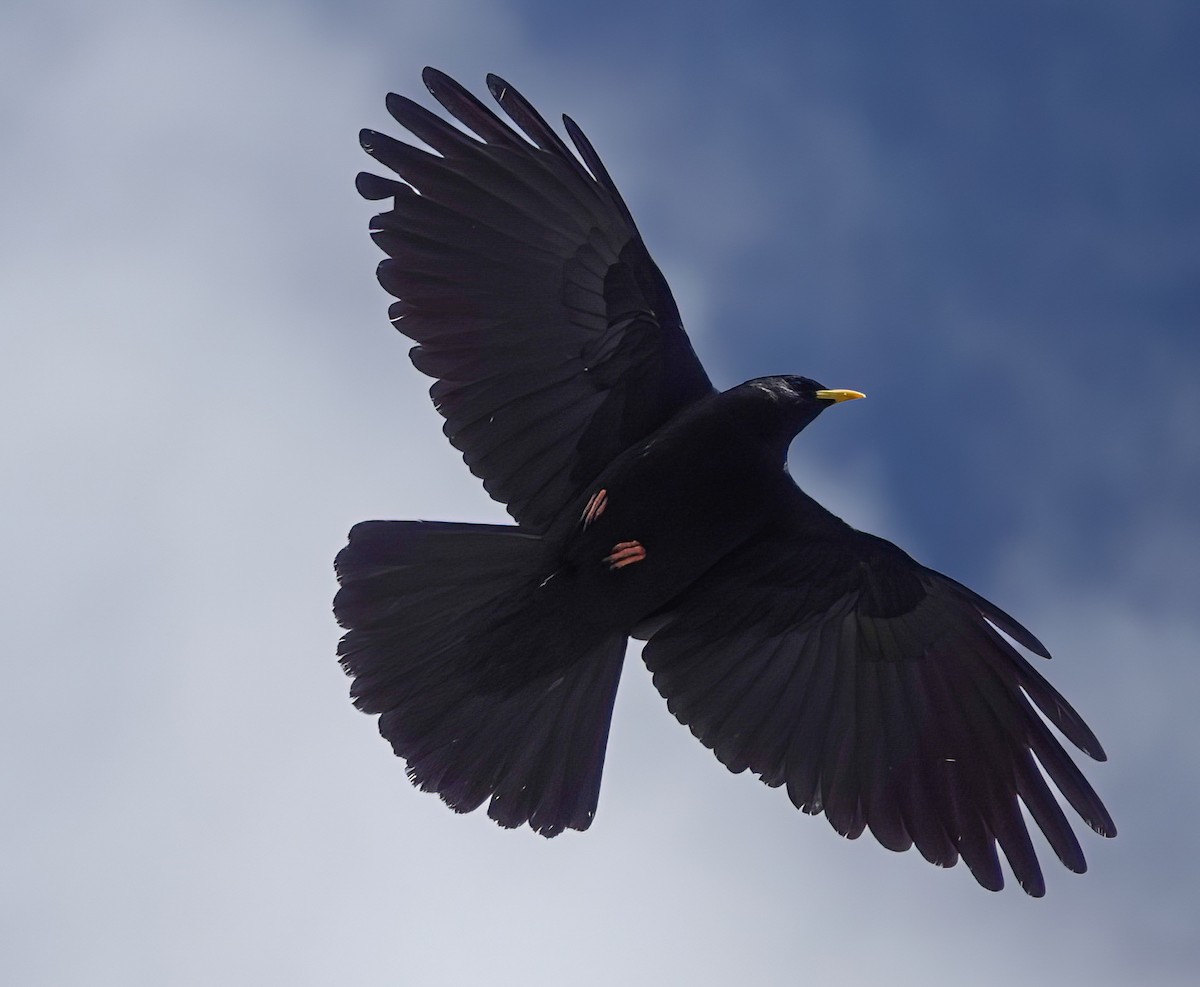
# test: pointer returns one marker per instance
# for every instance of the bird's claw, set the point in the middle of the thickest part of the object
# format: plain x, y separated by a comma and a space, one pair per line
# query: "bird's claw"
625, 553
595, 507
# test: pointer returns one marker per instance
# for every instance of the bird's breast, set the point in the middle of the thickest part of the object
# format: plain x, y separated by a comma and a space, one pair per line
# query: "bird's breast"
655, 521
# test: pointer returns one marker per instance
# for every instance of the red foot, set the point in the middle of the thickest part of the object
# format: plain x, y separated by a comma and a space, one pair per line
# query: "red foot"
595, 507
625, 553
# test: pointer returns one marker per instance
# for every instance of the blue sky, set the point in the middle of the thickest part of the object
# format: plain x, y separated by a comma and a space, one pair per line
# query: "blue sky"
985, 216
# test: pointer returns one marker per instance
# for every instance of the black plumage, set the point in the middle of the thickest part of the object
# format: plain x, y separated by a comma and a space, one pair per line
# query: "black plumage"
823, 659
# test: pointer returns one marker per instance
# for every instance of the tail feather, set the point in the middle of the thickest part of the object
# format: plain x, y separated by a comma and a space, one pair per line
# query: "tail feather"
481, 691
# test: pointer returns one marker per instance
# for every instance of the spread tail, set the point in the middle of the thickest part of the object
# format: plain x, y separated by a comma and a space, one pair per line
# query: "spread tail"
480, 688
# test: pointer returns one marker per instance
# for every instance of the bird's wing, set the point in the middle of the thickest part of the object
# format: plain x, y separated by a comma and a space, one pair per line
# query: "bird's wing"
879, 692
524, 281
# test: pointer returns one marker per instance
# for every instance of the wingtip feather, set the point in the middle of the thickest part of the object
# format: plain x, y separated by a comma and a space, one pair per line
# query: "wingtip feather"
496, 85
373, 187
433, 78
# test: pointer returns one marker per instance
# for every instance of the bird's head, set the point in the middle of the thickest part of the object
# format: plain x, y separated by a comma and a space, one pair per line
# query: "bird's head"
798, 399
785, 405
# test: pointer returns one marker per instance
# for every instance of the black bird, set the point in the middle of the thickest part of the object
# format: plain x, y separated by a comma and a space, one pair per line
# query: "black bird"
648, 504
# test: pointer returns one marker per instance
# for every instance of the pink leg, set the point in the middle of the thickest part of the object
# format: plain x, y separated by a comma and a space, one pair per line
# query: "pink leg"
595, 507
625, 553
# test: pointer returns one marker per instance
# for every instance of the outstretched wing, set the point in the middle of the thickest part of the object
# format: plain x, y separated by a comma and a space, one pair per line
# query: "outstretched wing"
879, 692
525, 283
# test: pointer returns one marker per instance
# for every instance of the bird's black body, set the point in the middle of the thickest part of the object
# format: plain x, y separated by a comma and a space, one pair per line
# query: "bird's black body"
691, 493
648, 504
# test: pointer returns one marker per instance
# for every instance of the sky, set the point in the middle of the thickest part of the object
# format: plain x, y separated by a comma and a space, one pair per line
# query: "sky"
985, 216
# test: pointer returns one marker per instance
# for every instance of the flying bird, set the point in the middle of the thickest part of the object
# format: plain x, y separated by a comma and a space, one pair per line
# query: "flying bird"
650, 505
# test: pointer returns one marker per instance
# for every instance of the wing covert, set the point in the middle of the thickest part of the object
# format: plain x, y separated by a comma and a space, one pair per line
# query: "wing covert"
523, 280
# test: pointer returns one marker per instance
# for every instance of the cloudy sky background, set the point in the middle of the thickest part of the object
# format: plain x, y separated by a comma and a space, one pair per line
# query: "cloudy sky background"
985, 216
